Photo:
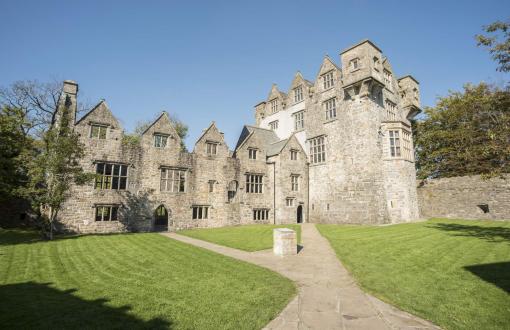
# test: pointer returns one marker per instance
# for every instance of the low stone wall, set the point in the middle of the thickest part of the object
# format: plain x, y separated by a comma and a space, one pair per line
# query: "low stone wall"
467, 197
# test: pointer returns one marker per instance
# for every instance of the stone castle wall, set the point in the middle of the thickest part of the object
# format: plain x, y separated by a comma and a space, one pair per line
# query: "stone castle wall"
460, 197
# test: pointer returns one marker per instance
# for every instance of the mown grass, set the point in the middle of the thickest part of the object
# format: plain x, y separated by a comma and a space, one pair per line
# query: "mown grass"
246, 238
455, 273
131, 281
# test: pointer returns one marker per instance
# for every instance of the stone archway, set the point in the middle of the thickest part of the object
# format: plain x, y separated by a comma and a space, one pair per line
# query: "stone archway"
161, 218
299, 214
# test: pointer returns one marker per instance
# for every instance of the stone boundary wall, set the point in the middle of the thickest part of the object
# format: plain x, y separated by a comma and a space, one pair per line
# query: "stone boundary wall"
465, 197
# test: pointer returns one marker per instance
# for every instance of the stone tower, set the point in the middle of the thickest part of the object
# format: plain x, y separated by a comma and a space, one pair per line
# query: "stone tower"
353, 122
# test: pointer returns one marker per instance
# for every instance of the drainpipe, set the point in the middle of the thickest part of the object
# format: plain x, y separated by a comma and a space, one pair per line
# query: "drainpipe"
308, 193
274, 191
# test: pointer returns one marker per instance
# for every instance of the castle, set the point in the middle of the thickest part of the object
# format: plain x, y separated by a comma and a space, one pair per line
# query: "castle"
336, 150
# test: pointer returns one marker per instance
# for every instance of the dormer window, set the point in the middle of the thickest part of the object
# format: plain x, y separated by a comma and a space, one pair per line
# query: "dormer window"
274, 125
293, 154
298, 94
98, 131
212, 148
354, 64
160, 140
252, 153
274, 105
328, 80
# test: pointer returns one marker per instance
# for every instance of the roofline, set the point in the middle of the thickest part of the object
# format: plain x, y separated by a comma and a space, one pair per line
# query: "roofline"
262, 102
409, 76
361, 43
154, 122
90, 111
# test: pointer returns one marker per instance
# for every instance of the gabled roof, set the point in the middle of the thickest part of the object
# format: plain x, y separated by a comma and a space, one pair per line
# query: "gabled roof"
267, 136
276, 148
162, 116
327, 59
95, 108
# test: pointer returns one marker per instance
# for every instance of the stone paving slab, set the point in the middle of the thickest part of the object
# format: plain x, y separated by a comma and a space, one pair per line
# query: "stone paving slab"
328, 297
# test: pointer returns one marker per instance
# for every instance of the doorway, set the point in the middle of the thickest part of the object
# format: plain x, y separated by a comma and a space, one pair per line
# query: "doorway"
161, 219
299, 214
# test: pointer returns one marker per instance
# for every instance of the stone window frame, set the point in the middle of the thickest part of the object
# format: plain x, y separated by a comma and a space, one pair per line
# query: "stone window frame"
289, 201
274, 105
391, 110
254, 183
328, 80
294, 182
252, 153
298, 94
294, 154
112, 174
394, 140
317, 149
211, 184
388, 78
112, 212
330, 108
299, 120
273, 125
200, 212
260, 214
355, 64
232, 190
100, 128
174, 179
160, 136
211, 148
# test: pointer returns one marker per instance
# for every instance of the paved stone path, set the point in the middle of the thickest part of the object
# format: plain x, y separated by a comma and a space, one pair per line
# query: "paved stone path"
328, 297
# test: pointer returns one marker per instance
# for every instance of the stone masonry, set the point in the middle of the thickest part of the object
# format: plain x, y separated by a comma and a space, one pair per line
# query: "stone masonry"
337, 150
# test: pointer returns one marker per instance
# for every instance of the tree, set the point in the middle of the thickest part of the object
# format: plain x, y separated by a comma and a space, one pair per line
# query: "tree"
14, 145
499, 45
466, 133
55, 168
38, 103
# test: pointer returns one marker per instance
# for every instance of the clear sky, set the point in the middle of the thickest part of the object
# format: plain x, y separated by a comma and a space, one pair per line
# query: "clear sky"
208, 60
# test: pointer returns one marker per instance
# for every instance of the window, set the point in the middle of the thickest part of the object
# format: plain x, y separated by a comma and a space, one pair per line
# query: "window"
274, 105
330, 106
376, 63
406, 144
294, 180
211, 185
173, 180
391, 110
293, 154
317, 150
298, 94
387, 78
252, 153
111, 176
200, 212
254, 183
328, 80
260, 214
354, 64
212, 148
160, 140
98, 131
394, 143
106, 212
232, 190
299, 120
274, 125
289, 201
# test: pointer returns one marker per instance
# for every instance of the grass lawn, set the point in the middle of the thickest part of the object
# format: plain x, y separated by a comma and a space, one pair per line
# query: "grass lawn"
247, 238
453, 273
131, 281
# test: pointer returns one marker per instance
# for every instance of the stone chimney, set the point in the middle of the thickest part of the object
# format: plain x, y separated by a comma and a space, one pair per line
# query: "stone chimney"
67, 102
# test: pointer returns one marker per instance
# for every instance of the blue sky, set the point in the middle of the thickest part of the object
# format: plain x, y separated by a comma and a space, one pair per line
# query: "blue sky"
207, 61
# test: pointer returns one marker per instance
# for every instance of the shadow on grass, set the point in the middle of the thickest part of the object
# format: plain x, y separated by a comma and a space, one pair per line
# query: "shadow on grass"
491, 234
33, 305
19, 236
495, 273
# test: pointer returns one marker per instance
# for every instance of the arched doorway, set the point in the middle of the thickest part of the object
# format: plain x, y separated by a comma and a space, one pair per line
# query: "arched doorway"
161, 219
299, 214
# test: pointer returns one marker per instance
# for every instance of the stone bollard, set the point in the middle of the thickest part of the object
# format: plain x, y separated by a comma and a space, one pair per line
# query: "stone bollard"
284, 242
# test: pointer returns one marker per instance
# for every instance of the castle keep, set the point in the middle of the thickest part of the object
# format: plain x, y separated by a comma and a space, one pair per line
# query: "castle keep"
336, 150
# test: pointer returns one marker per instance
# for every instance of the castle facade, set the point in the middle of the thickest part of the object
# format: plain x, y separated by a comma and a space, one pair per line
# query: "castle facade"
336, 150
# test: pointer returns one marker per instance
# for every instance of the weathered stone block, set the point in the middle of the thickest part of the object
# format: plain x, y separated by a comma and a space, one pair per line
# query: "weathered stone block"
284, 242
